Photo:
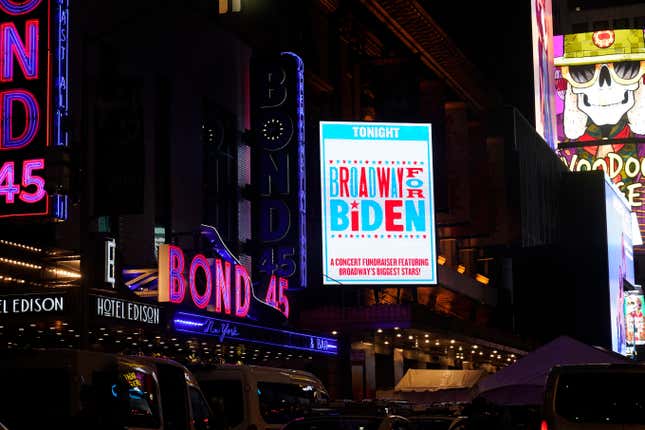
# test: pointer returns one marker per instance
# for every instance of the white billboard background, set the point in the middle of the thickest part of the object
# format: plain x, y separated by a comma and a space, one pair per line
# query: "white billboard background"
354, 253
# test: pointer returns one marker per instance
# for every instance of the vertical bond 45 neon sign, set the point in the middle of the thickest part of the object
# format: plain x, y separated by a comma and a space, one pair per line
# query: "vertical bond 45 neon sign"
33, 103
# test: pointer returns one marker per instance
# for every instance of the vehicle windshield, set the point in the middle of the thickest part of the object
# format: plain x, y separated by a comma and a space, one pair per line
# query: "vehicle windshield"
608, 397
335, 423
280, 402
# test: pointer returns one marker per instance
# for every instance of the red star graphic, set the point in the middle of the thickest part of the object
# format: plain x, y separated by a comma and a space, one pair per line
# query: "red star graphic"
354, 204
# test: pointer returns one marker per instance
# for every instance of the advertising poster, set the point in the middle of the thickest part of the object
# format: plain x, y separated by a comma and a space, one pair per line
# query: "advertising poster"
634, 321
378, 224
620, 261
599, 86
542, 31
600, 99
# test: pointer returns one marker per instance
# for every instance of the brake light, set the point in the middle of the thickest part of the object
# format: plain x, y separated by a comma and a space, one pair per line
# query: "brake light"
544, 425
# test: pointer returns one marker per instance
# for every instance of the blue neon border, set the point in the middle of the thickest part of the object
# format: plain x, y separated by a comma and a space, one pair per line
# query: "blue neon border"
331, 342
339, 128
302, 179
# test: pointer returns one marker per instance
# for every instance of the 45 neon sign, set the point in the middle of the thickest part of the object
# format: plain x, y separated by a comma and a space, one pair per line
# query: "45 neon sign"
33, 100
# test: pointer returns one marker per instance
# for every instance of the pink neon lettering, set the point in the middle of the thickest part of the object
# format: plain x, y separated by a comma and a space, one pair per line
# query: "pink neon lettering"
222, 286
32, 119
282, 298
25, 53
175, 274
201, 301
28, 179
13, 7
242, 297
270, 297
7, 186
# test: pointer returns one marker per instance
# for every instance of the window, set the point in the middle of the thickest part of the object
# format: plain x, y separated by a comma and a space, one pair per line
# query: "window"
606, 398
201, 412
139, 390
225, 399
280, 403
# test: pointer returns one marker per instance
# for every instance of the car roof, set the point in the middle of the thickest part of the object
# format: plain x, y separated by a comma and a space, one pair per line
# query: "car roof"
598, 367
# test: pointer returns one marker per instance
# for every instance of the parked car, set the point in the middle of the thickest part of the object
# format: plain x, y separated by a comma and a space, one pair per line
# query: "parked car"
349, 422
431, 422
259, 397
71, 389
599, 396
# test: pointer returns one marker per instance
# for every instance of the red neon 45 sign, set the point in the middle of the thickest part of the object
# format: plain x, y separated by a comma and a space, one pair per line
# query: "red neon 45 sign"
25, 111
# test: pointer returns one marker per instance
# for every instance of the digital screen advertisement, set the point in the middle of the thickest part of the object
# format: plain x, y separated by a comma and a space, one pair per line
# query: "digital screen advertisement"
620, 261
599, 85
634, 320
544, 85
623, 163
378, 223
600, 99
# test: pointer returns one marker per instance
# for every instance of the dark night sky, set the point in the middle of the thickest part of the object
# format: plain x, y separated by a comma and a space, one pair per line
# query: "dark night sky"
497, 38
498, 43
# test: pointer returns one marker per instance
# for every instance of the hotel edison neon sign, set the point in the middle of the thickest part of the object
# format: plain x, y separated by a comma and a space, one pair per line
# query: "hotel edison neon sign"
227, 287
32, 81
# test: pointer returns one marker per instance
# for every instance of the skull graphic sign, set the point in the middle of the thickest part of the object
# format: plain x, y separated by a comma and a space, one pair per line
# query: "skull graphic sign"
600, 85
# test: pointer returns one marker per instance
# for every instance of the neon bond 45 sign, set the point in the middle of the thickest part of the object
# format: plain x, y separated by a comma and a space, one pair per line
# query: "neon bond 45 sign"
33, 71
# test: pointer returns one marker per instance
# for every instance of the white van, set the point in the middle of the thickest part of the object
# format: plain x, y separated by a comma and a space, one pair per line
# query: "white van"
595, 397
258, 397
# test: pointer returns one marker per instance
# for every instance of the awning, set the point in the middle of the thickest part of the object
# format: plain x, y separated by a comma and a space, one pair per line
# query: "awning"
420, 380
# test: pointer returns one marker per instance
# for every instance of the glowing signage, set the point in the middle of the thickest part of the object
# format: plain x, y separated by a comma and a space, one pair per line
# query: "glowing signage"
600, 99
542, 30
623, 163
32, 304
634, 319
278, 164
224, 329
216, 284
33, 101
599, 85
377, 203
109, 254
620, 260
127, 310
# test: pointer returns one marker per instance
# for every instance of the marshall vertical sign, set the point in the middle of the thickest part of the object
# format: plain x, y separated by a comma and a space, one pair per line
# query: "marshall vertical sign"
278, 166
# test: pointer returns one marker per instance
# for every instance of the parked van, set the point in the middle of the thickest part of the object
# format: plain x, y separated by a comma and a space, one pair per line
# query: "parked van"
595, 396
258, 397
71, 389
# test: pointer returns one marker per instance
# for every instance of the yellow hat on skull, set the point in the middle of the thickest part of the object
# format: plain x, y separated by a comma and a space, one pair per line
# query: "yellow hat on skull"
604, 46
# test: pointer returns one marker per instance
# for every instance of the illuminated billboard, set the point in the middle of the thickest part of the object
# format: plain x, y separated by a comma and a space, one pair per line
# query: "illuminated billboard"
600, 99
33, 104
620, 260
623, 163
378, 224
544, 85
634, 319
599, 85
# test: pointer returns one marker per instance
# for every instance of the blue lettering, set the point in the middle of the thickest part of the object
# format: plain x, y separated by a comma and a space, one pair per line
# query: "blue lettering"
334, 188
338, 215
415, 218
